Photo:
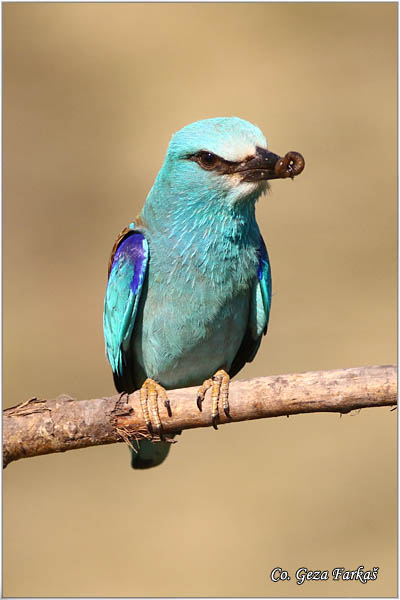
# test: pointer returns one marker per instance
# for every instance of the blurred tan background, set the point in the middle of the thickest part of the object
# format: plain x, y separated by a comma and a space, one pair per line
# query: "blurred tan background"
92, 94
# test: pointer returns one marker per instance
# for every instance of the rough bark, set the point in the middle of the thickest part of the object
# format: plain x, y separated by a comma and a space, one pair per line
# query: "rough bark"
44, 426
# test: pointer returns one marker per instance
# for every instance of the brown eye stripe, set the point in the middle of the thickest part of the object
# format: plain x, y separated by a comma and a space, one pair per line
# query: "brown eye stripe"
213, 162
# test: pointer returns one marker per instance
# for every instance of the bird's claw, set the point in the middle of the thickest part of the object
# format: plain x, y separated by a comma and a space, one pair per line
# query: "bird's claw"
219, 385
168, 407
200, 400
150, 392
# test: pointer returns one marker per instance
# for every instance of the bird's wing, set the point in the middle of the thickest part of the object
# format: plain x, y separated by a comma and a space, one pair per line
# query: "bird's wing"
259, 313
127, 271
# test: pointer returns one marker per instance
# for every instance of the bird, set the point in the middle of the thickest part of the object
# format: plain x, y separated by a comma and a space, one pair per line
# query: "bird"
188, 296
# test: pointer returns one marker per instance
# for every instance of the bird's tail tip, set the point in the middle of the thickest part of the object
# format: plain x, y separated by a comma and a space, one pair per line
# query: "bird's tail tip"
146, 454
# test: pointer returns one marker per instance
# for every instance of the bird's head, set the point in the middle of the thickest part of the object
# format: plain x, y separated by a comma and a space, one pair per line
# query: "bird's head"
219, 163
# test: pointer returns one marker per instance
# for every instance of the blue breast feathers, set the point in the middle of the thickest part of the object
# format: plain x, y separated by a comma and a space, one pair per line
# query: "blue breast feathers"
125, 283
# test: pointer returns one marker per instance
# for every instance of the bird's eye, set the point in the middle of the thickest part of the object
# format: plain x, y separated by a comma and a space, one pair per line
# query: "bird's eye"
207, 160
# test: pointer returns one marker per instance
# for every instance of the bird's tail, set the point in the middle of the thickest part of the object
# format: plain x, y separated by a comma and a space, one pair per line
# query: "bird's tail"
147, 454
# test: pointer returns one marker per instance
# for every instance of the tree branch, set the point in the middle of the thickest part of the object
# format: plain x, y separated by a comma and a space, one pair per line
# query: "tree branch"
44, 426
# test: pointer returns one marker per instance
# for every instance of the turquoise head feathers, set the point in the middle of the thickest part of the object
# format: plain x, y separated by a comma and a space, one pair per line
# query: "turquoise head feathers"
228, 137
219, 165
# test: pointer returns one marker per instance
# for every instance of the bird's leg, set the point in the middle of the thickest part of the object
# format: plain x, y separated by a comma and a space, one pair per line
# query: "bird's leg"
219, 385
150, 393
219, 391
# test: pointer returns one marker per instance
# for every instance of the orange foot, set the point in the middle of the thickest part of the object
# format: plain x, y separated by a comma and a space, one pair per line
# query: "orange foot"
150, 393
219, 385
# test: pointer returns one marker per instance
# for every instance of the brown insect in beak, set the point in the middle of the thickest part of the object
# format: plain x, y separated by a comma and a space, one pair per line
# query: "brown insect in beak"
290, 165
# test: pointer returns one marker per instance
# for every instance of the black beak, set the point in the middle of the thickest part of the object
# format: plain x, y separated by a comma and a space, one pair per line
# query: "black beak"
267, 165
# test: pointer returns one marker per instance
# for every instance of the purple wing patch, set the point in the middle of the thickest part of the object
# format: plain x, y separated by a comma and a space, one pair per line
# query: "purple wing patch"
132, 250
129, 261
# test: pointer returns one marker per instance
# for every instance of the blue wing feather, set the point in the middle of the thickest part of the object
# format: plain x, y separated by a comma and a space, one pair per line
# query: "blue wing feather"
265, 283
129, 262
125, 283
260, 306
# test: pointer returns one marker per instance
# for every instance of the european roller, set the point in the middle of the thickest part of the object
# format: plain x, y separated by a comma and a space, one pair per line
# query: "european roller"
189, 289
